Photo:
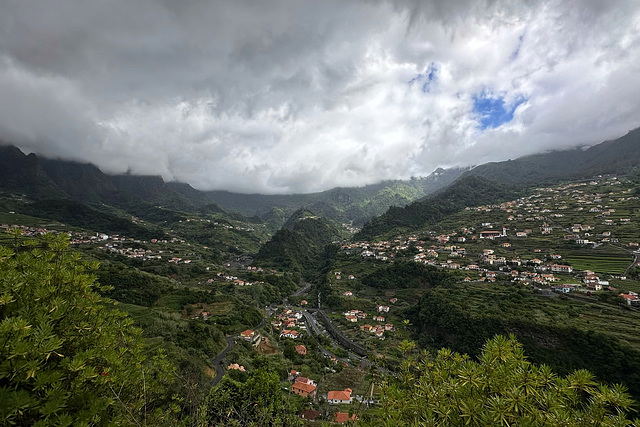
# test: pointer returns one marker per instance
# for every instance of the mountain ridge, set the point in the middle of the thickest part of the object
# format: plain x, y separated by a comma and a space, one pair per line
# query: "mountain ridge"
618, 155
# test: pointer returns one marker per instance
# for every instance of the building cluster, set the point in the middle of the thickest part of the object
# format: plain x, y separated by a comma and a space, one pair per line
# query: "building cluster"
306, 387
137, 253
286, 321
377, 330
218, 224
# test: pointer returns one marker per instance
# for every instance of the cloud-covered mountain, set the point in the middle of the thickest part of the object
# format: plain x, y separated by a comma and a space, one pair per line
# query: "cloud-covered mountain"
492, 182
617, 156
43, 178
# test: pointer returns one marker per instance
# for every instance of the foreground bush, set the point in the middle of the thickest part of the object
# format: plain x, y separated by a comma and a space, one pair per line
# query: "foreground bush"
500, 389
67, 357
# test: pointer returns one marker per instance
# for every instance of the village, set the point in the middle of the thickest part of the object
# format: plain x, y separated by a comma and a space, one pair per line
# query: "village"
526, 240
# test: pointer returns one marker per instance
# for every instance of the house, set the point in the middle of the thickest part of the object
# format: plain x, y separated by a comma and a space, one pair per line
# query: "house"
338, 397
286, 333
393, 300
343, 417
442, 239
304, 302
383, 308
248, 335
235, 366
310, 414
491, 234
351, 318
594, 286
300, 349
305, 380
304, 389
378, 318
348, 293
631, 298
557, 268
564, 289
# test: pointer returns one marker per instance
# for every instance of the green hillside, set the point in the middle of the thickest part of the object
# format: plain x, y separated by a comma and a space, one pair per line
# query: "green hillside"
299, 245
618, 156
465, 192
356, 204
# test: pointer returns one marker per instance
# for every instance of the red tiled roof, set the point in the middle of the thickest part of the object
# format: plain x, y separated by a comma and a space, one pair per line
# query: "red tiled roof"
343, 417
304, 387
340, 395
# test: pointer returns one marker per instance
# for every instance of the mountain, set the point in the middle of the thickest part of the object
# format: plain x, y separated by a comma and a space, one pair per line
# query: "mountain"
86, 183
618, 156
466, 191
356, 204
83, 182
299, 244
155, 190
492, 182
80, 194
23, 174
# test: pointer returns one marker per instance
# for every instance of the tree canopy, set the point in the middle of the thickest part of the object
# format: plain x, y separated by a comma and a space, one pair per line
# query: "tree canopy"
67, 356
501, 388
256, 402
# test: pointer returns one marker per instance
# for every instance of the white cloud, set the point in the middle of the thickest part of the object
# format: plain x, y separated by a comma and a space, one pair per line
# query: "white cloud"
296, 96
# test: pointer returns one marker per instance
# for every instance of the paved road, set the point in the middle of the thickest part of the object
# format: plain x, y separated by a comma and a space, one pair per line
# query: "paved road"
303, 290
634, 263
217, 362
231, 341
312, 324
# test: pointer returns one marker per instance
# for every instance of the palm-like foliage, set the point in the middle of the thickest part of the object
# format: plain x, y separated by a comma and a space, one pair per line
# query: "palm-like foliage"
502, 388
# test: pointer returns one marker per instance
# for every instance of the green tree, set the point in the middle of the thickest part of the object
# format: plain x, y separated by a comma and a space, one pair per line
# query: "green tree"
501, 388
256, 402
67, 357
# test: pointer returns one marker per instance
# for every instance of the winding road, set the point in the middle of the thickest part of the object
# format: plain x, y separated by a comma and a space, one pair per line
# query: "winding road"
217, 361
231, 341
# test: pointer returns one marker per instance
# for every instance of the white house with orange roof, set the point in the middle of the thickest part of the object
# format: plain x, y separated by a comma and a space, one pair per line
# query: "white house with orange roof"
339, 397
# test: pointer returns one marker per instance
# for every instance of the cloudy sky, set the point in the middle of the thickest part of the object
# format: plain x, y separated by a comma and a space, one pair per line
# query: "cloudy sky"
281, 96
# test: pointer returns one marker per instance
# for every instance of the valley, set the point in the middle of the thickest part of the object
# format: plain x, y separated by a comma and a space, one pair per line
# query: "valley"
333, 314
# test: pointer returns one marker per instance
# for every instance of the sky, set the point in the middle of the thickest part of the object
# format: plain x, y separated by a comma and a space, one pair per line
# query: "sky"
297, 96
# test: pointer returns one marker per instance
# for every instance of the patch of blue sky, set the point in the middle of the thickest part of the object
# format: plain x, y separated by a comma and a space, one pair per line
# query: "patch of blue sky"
492, 110
426, 79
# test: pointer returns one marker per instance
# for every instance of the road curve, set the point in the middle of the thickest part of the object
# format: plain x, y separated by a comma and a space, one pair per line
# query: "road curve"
217, 362
231, 341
